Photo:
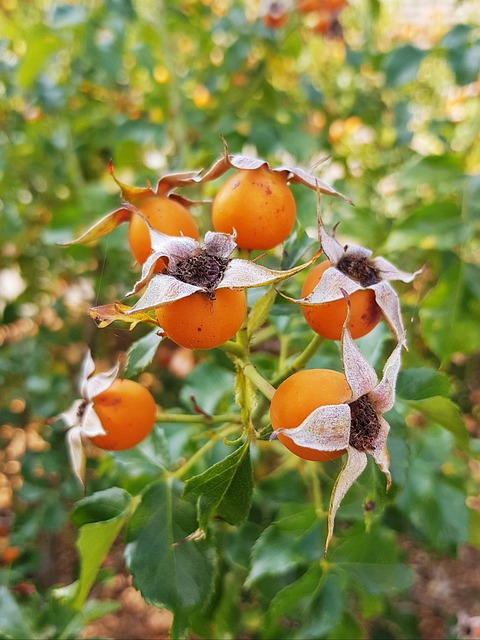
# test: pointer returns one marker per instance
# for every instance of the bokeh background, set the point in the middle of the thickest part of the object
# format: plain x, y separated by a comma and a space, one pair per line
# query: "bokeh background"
386, 95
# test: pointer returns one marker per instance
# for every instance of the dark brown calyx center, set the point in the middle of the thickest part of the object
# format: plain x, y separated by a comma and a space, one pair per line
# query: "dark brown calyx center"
202, 270
365, 425
81, 409
360, 269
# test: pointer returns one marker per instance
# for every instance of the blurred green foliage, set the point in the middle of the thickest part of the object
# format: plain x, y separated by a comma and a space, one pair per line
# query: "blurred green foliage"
153, 85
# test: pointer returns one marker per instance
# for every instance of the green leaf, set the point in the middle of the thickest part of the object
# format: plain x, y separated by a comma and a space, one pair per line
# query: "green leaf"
141, 353
42, 43
462, 55
312, 606
96, 537
371, 559
295, 247
260, 311
68, 15
401, 65
449, 314
245, 396
418, 384
13, 622
169, 568
379, 579
100, 506
209, 384
436, 226
225, 489
289, 542
439, 172
446, 413
474, 537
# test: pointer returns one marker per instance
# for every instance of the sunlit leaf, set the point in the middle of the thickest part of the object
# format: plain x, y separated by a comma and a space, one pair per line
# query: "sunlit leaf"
96, 537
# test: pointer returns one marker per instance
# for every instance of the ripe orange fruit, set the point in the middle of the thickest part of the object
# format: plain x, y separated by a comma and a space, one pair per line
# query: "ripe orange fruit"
276, 16
127, 413
298, 396
165, 215
307, 6
10, 554
258, 205
199, 322
323, 22
328, 319
333, 5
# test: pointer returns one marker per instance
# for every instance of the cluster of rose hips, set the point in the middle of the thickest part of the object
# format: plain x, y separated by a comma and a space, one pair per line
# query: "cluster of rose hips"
194, 294
321, 15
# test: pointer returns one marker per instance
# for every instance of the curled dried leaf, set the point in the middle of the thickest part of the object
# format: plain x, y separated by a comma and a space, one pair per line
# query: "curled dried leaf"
105, 314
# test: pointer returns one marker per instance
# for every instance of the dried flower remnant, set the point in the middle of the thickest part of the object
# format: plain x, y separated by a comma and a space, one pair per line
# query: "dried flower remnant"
134, 198
81, 418
357, 425
351, 269
193, 268
293, 174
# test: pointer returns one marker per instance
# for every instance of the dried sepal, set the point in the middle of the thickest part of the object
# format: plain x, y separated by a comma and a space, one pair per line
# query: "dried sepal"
338, 278
325, 429
165, 184
351, 471
105, 314
295, 175
333, 428
81, 419
102, 227
133, 197
243, 274
164, 288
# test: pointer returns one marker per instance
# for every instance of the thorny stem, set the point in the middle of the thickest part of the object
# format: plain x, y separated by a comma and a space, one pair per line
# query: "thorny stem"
181, 471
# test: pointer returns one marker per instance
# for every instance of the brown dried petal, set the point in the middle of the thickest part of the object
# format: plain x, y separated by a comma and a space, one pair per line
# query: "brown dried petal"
105, 314
355, 465
295, 175
102, 227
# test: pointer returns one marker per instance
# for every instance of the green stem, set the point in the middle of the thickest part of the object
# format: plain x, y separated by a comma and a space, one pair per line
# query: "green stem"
234, 348
300, 361
191, 462
311, 470
263, 335
186, 418
257, 379
297, 364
